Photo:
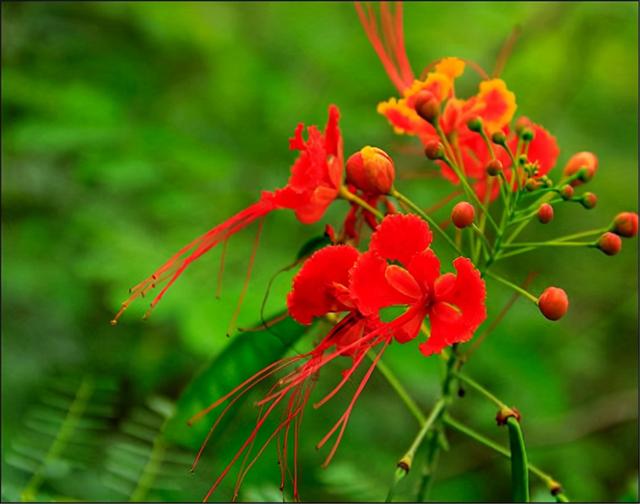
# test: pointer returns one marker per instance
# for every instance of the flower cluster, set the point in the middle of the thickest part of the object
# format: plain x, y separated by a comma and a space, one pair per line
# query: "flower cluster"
502, 167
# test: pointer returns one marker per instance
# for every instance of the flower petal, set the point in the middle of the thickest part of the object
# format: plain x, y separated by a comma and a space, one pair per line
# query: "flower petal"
400, 237
314, 292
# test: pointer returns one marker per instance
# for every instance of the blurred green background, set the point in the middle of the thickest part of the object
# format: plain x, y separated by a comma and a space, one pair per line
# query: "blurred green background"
130, 128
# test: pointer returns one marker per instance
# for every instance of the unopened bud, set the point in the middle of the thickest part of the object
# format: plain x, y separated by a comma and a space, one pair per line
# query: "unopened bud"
463, 214
434, 150
625, 224
589, 200
521, 124
553, 303
427, 107
532, 184
371, 170
545, 213
499, 138
527, 135
610, 243
567, 191
475, 124
546, 181
586, 161
505, 413
494, 167
522, 159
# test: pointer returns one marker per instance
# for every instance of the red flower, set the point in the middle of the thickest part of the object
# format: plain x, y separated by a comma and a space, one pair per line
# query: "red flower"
455, 304
315, 179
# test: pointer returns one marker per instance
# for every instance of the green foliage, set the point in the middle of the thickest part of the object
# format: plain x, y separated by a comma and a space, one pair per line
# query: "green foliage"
130, 128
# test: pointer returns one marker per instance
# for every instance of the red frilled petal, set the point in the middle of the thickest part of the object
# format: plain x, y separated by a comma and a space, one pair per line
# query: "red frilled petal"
316, 204
425, 268
317, 286
400, 237
332, 135
458, 307
373, 287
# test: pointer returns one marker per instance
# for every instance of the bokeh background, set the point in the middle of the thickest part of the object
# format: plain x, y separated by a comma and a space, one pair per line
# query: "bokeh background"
130, 128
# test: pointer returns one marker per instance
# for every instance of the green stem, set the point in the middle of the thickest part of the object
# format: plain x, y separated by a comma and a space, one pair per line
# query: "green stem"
515, 287
401, 197
430, 463
548, 244
550, 482
400, 390
519, 470
405, 462
475, 385
353, 198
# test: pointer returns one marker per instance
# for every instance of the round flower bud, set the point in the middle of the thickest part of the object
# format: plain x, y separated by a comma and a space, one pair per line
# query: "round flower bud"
589, 200
463, 214
522, 159
521, 124
625, 224
586, 161
434, 150
371, 170
553, 303
545, 213
475, 124
494, 167
527, 135
567, 191
499, 138
610, 243
546, 181
427, 107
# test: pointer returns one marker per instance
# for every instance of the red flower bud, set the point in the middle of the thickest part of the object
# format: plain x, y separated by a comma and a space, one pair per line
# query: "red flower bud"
427, 107
371, 170
494, 167
589, 200
626, 224
463, 214
567, 191
521, 124
505, 413
545, 213
610, 243
434, 150
553, 303
585, 161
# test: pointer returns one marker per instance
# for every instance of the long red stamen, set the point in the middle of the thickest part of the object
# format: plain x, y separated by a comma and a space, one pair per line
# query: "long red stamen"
401, 52
344, 380
197, 247
245, 286
368, 22
345, 417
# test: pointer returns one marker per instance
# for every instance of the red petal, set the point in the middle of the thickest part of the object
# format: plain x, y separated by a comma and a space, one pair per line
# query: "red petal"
402, 281
543, 149
400, 237
370, 288
425, 268
456, 323
313, 292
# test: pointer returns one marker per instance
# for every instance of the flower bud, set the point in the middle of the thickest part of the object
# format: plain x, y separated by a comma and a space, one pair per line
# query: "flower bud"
499, 138
527, 135
553, 303
586, 161
625, 224
427, 107
434, 150
506, 412
567, 191
371, 170
475, 124
532, 184
589, 200
521, 124
610, 243
546, 181
522, 159
463, 214
545, 213
494, 167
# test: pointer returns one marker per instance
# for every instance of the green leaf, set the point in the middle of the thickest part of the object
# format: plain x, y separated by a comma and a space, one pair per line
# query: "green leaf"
315, 243
519, 469
248, 353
